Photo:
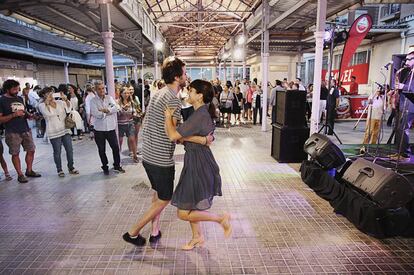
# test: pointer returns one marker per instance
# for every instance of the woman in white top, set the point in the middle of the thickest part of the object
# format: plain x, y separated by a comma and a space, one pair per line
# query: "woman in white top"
54, 111
226, 102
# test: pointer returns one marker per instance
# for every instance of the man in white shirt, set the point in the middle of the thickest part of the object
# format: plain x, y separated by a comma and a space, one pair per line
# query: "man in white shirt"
273, 97
373, 125
300, 85
244, 87
89, 97
104, 110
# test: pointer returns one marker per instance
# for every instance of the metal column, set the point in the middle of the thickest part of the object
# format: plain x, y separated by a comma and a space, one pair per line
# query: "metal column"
319, 34
107, 36
265, 62
66, 71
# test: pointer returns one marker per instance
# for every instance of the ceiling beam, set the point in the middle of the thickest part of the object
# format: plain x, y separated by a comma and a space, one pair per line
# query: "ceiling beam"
198, 22
290, 11
203, 11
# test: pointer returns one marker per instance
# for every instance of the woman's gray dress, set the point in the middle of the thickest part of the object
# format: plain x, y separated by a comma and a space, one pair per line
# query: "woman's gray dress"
200, 178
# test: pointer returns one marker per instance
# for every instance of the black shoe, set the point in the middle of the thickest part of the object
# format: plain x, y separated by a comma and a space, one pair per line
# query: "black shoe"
138, 240
22, 179
119, 169
32, 174
154, 239
106, 172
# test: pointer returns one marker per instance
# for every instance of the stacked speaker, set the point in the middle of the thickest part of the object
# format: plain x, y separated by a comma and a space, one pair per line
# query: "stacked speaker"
290, 131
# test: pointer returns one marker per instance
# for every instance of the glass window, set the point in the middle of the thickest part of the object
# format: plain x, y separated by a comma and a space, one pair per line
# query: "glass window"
336, 61
359, 58
394, 8
311, 69
325, 63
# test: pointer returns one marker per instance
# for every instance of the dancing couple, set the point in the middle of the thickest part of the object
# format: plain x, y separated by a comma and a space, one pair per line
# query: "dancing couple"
200, 179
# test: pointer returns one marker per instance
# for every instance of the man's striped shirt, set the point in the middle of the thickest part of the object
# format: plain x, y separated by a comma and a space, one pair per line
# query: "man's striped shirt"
157, 148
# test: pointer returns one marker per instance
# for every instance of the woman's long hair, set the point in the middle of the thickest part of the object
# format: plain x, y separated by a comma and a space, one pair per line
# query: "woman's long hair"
205, 88
123, 101
45, 92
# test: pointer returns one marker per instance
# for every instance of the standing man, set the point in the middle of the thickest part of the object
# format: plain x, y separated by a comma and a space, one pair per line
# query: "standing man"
138, 89
104, 110
331, 105
158, 150
13, 116
244, 87
273, 98
300, 85
405, 79
353, 88
257, 103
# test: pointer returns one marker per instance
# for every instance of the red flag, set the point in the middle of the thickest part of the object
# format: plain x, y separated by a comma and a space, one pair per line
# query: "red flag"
357, 33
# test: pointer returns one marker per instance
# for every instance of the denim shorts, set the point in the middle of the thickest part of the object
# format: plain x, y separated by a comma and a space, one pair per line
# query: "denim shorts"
126, 130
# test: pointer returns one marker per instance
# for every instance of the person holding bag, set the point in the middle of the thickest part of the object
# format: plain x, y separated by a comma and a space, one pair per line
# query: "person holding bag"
226, 103
55, 111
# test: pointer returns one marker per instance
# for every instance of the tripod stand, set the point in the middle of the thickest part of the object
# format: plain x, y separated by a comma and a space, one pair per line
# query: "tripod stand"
328, 127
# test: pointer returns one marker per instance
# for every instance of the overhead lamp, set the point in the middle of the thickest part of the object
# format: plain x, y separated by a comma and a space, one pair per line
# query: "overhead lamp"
327, 35
241, 40
159, 45
238, 54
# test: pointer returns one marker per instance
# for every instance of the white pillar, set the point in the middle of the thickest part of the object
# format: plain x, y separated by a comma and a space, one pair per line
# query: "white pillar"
156, 70
265, 63
126, 74
219, 71
225, 72
143, 84
66, 71
244, 52
107, 39
214, 71
135, 72
320, 31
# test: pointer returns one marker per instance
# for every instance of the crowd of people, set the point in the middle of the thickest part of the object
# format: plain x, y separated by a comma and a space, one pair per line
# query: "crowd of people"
177, 111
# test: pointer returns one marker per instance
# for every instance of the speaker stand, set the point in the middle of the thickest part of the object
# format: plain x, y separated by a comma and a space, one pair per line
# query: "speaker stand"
329, 128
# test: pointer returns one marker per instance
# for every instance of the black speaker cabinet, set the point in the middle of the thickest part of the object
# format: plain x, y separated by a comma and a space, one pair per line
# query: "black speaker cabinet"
287, 143
324, 151
382, 185
291, 108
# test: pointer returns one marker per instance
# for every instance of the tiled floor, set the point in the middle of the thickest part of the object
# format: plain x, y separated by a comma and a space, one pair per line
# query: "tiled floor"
74, 225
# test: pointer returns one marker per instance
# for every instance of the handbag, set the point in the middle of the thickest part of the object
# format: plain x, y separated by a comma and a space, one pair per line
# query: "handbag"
223, 104
69, 122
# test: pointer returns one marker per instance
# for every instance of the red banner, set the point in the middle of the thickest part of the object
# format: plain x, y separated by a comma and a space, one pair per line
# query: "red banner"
360, 71
357, 33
